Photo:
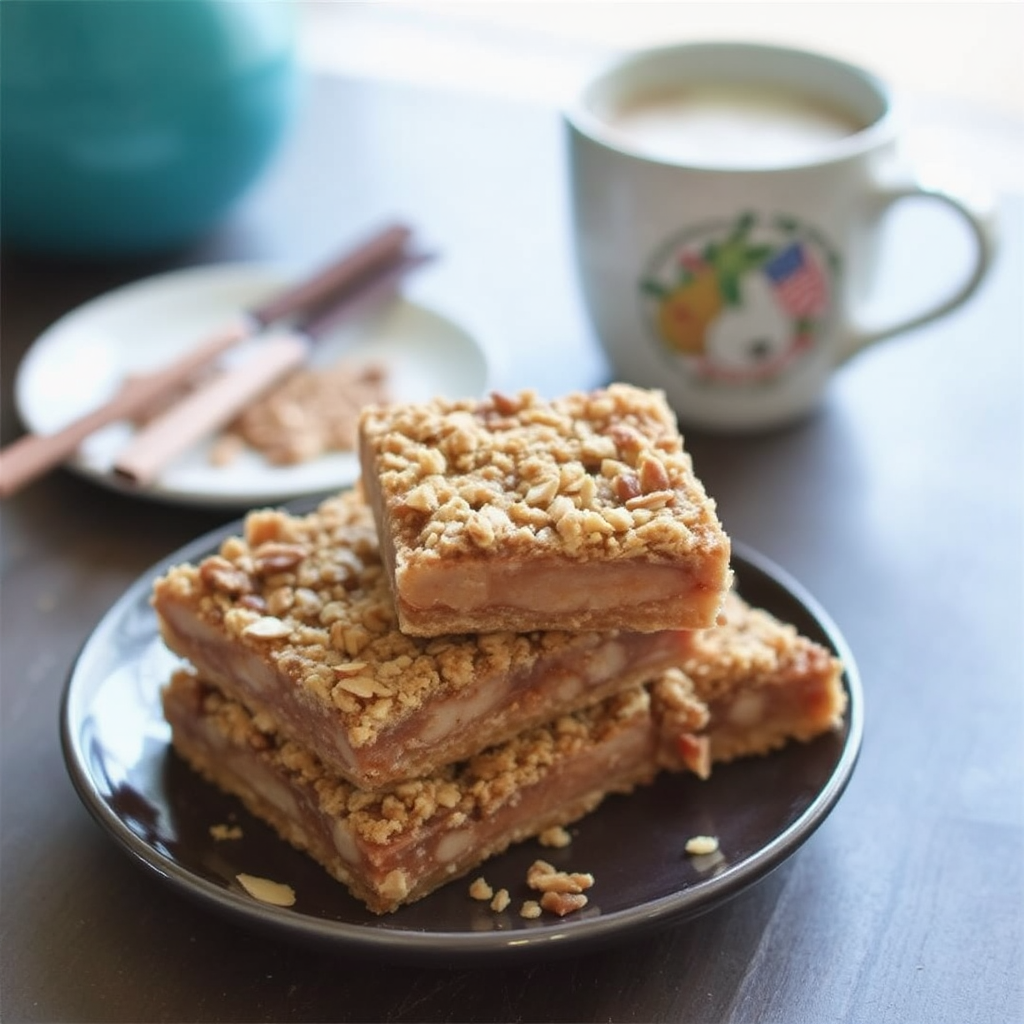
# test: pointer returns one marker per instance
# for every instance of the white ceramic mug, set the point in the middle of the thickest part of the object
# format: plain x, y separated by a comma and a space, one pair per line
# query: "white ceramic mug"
727, 200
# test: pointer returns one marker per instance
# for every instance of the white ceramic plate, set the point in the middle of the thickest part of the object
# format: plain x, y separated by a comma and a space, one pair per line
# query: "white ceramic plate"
80, 361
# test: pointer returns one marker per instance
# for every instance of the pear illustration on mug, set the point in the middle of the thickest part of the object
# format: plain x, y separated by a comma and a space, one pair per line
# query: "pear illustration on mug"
743, 302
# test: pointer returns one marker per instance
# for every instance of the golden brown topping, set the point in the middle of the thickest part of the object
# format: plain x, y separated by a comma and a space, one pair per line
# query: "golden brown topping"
395, 886
598, 474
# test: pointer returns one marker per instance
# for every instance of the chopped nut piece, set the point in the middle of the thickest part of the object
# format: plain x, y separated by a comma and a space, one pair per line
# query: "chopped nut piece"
501, 901
653, 476
220, 574
543, 877
695, 753
268, 627
271, 557
557, 837
361, 686
562, 903
539, 869
530, 909
698, 846
220, 832
480, 890
266, 891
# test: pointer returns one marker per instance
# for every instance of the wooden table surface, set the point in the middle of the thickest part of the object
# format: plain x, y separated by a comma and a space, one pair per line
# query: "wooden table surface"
899, 507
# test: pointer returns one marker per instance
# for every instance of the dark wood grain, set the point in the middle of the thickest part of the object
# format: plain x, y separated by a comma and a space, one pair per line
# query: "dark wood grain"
899, 506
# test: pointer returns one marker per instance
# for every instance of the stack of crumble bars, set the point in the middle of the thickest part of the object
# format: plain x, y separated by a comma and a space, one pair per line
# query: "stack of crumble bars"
524, 607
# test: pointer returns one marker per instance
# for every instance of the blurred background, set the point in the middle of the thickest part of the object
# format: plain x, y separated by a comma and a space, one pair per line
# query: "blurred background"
956, 66
132, 126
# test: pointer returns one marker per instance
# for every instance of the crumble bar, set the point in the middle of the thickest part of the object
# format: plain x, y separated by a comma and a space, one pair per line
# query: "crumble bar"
516, 513
296, 620
395, 845
763, 683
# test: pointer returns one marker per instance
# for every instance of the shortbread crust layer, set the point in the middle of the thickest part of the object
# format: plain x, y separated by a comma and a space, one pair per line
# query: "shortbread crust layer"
516, 513
296, 620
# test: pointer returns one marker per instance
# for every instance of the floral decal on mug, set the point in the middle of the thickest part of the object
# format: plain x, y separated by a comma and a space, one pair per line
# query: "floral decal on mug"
741, 301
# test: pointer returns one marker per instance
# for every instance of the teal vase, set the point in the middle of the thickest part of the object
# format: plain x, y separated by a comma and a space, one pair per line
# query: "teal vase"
132, 126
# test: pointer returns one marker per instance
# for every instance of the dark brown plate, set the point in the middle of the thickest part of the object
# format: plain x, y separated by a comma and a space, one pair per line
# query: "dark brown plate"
762, 810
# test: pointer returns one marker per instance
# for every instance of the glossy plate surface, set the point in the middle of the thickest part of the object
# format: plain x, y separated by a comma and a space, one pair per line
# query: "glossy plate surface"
116, 747
79, 362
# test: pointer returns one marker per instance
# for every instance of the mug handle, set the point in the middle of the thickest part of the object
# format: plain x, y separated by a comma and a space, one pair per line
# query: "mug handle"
978, 214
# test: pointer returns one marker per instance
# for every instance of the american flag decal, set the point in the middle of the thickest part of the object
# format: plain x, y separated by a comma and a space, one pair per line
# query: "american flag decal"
798, 281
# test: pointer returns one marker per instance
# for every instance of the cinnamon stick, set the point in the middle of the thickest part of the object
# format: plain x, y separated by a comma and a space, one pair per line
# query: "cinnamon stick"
34, 454
218, 400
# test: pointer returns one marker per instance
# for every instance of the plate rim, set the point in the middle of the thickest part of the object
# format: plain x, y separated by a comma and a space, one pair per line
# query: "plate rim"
469, 948
271, 273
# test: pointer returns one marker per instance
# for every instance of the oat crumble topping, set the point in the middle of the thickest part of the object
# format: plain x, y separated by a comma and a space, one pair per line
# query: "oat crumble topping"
530, 909
589, 475
309, 594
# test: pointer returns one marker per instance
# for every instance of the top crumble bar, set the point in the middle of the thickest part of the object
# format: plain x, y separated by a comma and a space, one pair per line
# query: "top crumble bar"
519, 513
